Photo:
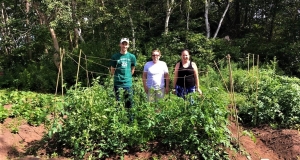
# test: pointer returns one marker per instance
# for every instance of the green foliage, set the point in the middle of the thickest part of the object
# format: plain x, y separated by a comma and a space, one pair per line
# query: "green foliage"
97, 124
172, 44
3, 113
88, 120
33, 107
34, 76
270, 98
222, 48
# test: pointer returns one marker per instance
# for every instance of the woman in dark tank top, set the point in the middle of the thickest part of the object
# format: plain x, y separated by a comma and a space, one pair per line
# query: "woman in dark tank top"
186, 79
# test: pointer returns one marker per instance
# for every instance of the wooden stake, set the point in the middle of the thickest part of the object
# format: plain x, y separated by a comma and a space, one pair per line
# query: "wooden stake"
87, 72
233, 100
248, 62
256, 96
58, 73
78, 69
62, 74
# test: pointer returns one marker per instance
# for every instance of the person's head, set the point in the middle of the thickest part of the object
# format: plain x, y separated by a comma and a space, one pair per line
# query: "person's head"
124, 45
155, 54
185, 55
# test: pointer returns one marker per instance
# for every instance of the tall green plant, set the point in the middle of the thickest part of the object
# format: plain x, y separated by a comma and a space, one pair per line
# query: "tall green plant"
99, 125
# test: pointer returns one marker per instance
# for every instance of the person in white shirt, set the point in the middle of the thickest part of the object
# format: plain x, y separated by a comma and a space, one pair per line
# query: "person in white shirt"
156, 77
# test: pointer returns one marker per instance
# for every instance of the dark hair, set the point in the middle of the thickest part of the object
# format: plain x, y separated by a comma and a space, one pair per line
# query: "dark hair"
188, 52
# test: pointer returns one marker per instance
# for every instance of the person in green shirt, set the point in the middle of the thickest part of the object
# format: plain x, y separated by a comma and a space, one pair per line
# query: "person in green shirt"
122, 67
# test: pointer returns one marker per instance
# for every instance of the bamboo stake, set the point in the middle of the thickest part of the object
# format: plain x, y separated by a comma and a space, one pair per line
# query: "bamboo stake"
62, 75
58, 75
230, 84
78, 69
221, 76
248, 62
87, 73
253, 59
233, 100
257, 82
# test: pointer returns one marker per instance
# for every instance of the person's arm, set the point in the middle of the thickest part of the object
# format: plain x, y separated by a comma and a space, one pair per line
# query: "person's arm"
144, 81
112, 70
196, 77
175, 75
167, 77
133, 64
113, 66
132, 69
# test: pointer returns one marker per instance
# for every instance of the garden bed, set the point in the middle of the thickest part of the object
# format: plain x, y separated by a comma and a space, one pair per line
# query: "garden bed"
265, 143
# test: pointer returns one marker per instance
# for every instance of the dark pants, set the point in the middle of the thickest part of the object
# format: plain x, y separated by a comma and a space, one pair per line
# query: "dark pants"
128, 95
128, 98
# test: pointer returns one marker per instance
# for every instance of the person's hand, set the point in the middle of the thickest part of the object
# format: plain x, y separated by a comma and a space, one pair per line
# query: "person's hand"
174, 91
167, 90
199, 91
146, 89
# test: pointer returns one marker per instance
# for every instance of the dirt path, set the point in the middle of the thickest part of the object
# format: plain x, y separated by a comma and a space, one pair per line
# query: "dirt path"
14, 145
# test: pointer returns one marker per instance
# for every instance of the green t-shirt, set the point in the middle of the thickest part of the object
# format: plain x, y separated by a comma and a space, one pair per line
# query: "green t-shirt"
123, 63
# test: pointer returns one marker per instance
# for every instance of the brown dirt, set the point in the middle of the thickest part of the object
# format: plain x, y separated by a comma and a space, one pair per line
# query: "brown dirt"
266, 143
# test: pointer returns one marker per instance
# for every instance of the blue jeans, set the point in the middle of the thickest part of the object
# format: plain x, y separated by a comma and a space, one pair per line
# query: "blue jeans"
182, 92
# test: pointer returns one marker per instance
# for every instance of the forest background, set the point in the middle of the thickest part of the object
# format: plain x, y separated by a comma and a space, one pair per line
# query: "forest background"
35, 33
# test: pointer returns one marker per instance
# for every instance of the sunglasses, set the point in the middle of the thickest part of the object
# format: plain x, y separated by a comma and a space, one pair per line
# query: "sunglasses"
155, 55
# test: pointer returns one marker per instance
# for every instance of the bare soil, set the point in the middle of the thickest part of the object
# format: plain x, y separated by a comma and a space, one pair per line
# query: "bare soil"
254, 143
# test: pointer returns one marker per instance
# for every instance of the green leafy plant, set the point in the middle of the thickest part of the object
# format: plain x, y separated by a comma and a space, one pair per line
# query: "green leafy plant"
3, 114
97, 124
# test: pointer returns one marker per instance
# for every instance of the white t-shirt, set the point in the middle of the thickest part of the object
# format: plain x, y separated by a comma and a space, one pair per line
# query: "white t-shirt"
155, 74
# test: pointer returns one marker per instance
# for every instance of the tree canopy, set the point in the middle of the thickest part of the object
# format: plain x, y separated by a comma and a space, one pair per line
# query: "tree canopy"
34, 33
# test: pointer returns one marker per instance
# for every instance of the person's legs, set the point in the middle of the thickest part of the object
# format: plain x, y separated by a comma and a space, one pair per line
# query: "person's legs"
117, 93
150, 94
160, 93
180, 92
191, 90
154, 95
128, 98
128, 95
183, 92
117, 96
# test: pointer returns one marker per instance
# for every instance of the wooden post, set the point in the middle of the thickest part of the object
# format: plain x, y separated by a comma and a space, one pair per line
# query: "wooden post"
256, 96
78, 69
248, 62
87, 72
61, 72
233, 105
58, 74
253, 58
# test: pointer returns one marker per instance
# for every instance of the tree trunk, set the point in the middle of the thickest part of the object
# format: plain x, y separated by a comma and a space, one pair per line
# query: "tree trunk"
221, 20
74, 43
28, 40
207, 2
5, 31
56, 56
188, 14
45, 20
131, 25
168, 14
